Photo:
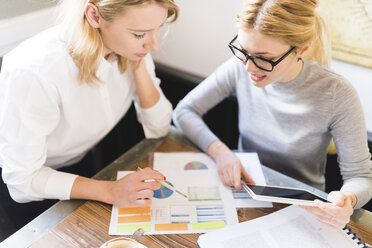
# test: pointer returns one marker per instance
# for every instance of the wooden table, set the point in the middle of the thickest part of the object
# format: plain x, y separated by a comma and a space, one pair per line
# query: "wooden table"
88, 225
78, 223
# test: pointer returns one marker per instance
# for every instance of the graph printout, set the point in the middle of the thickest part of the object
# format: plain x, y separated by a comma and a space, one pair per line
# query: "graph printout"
210, 204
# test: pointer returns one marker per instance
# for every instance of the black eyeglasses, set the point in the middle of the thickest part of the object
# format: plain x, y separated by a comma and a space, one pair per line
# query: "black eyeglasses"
261, 63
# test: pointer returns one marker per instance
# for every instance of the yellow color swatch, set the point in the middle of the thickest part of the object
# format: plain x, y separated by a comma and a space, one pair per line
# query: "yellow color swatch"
134, 218
208, 225
138, 210
171, 227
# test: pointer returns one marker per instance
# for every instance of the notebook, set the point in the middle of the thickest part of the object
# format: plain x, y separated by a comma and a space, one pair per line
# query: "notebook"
291, 227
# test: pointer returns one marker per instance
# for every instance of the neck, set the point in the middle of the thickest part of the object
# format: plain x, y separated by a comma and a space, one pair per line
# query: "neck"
295, 72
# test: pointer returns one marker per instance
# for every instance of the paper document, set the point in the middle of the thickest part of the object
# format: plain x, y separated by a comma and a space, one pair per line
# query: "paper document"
291, 227
209, 206
252, 166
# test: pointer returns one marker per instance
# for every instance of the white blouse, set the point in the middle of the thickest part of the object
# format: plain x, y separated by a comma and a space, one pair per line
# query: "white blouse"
49, 120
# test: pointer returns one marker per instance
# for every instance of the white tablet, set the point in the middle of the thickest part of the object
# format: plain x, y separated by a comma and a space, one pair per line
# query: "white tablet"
282, 194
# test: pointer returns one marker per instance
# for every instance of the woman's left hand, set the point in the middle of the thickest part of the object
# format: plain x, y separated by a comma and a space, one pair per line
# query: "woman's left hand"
137, 66
336, 214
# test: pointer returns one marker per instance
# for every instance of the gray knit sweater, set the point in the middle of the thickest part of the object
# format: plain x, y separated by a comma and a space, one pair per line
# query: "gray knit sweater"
289, 125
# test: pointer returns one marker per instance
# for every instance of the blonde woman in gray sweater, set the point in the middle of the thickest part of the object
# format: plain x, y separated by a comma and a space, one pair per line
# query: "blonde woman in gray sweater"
290, 105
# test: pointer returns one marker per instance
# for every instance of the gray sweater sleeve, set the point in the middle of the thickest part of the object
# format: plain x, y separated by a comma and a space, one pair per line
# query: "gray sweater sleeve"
188, 113
349, 133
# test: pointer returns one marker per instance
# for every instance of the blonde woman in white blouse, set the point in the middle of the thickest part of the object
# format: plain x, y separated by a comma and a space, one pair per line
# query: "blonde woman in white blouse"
63, 90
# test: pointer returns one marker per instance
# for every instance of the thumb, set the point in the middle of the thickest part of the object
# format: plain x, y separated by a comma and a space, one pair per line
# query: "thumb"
246, 177
337, 198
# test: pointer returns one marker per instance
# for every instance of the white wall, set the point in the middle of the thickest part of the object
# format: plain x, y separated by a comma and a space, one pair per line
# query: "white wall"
15, 29
197, 43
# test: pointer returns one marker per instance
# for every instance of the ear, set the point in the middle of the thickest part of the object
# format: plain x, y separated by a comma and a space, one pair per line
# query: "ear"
92, 14
302, 52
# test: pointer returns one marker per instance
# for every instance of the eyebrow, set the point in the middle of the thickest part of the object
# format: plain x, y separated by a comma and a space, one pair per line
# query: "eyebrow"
145, 30
140, 30
255, 54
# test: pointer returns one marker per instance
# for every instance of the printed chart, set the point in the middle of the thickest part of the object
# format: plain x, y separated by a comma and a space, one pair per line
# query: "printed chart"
195, 165
163, 192
240, 194
209, 206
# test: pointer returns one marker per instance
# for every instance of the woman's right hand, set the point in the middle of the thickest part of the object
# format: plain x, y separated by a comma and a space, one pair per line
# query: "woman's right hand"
135, 189
229, 166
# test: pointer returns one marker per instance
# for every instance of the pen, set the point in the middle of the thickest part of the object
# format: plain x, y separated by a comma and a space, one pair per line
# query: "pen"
168, 186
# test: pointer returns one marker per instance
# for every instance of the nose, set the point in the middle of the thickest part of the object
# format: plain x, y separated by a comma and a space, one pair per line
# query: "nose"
250, 66
152, 43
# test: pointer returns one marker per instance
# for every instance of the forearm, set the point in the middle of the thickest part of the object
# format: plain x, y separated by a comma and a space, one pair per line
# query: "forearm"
217, 148
361, 188
147, 93
90, 189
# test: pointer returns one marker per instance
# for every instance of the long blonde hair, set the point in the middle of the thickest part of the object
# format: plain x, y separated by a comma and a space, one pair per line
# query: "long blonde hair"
295, 22
84, 43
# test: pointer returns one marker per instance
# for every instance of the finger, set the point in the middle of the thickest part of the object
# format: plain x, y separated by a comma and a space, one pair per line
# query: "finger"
237, 174
336, 197
335, 221
230, 172
226, 176
316, 211
146, 193
334, 210
220, 174
149, 174
153, 185
143, 202
246, 177
327, 224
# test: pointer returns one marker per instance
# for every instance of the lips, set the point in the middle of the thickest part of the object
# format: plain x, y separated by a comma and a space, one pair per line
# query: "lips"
141, 55
257, 78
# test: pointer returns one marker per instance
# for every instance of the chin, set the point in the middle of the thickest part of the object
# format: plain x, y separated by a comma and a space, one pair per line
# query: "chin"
261, 84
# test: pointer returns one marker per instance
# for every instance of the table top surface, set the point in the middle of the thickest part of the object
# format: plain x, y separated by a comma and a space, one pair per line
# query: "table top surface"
85, 223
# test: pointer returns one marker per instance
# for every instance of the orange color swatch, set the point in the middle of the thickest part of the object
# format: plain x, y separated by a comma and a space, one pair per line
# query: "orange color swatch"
171, 227
134, 218
138, 210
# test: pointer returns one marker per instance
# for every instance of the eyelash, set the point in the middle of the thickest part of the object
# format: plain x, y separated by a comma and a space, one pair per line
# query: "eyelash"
139, 36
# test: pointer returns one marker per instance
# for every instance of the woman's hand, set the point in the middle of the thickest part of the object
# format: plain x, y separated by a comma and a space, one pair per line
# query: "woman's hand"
147, 93
229, 166
135, 189
335, 215
137, 66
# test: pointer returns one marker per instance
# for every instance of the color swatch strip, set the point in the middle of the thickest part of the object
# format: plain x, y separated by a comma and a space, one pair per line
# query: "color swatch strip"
137, 210
171, 227
133, 228
208, 225
134, 218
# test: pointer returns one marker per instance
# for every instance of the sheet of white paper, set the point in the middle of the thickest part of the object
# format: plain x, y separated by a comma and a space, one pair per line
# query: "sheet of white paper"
211, 205
252, 166
187, 170
290, 227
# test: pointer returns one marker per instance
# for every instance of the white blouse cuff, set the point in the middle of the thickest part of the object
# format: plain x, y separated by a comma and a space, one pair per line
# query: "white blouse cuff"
59, 185
156, 119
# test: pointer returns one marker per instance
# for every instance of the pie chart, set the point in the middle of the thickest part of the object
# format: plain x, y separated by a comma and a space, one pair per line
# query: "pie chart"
163, 192
195, 165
